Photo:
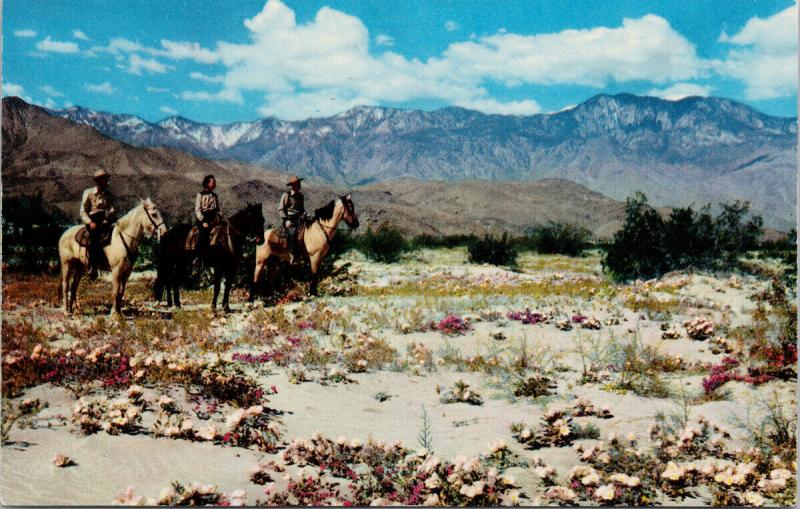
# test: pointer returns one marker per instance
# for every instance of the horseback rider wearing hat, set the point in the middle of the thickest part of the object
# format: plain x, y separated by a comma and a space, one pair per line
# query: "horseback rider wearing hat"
292, 210
97, 213
207, 212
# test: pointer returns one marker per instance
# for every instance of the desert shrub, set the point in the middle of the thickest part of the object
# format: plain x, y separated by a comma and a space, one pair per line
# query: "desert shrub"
436, 241
30, 234
493, 250
384, 244
648, 246
558, 238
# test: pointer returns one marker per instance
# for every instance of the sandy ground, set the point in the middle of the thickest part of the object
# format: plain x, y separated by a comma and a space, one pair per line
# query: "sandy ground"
107, 464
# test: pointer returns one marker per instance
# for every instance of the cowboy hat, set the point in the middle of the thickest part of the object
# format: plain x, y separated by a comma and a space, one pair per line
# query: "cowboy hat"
99, 174
294, 180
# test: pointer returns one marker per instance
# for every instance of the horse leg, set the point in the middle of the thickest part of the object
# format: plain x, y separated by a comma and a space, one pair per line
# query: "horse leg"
64, 286
116, 291
229, 277
256, 278
315, 263
77, 273
217, 281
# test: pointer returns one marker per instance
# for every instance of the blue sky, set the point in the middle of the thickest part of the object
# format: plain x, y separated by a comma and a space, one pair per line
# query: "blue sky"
217, 61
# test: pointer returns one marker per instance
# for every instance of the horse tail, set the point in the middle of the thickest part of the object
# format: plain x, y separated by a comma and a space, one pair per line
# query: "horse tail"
162, 275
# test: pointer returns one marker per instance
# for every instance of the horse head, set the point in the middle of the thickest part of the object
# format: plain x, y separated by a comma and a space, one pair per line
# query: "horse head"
349, 216
255, 222
151, 220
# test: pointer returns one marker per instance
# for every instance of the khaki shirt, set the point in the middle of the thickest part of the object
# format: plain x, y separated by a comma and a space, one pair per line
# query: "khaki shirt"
292, 205
206, 201
95, 201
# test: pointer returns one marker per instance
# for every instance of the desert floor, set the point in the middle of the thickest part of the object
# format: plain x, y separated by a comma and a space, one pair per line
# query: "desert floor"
379, 362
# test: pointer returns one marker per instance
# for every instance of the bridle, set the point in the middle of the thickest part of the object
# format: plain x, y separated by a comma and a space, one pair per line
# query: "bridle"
326, 229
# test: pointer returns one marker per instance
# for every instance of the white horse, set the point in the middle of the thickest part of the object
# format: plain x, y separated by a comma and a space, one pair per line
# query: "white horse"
316, 239
143, 220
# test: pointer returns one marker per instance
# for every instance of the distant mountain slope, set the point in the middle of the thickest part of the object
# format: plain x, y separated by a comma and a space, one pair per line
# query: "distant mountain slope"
52, 155
695, 150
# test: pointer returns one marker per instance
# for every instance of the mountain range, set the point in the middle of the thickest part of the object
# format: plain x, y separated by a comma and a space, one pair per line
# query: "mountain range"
56, 157
691, 151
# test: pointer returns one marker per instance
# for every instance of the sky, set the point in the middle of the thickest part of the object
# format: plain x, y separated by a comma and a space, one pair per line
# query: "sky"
226, 61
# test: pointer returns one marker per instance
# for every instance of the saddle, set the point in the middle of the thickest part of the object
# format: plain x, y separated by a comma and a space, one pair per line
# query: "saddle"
279, 237
194, 236
82, 236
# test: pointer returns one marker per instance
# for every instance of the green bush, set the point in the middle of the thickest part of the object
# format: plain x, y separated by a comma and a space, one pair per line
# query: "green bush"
437, 241
493, 250
30, 234
384, 244
648, 246
558, 238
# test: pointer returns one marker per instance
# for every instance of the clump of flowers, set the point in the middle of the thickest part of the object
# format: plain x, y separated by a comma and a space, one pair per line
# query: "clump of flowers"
670, 334
555, 430
584, 408
461, 393
699, 328
252, 427
338, 455
453, 325
337, 375
591, 323
261, 473
726, 372
113, 417
303, 489
62, 461
502, 457
527, 317
421, 354
198, 494
534, 386
365, 352
564, 325
173, 425
719, 344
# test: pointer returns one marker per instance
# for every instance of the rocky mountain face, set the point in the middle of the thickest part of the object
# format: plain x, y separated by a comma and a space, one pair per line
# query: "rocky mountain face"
43, 153
696, 150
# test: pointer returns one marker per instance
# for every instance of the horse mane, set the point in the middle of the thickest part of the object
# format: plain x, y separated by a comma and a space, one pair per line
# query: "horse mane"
325, 212
125, 219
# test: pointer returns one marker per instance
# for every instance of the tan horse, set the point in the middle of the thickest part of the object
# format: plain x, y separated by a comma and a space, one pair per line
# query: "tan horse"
317, 239
143, 220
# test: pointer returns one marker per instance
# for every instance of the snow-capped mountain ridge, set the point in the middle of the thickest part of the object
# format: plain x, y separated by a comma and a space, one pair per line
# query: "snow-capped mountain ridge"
700, 148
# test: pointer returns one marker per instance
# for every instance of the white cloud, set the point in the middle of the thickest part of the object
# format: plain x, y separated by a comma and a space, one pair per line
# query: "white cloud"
156, 90
232, 96
47, 44
78, 34
50, 91
10, 89
68, 104
205, 77
102, 88
187, 50
153, 66
526, 107
50, 104
451, 26
646, 48
25, 33
168, 110
764, 55
384, 40
681, 90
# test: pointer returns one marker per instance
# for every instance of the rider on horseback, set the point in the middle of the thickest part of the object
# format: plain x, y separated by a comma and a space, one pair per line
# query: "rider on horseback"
97, 213
292, 210
207, 213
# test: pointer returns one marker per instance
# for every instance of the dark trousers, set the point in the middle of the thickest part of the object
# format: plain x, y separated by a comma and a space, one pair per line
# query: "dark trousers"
291, 233
204, 234
96, 254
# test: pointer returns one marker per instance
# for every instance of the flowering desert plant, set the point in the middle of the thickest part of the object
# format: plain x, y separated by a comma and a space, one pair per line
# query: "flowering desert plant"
113, 417
453, 325
461, 393
252, 427
699, 328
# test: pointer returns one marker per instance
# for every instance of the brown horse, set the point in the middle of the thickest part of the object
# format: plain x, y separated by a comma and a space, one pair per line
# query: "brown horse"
317, 237
224, 256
